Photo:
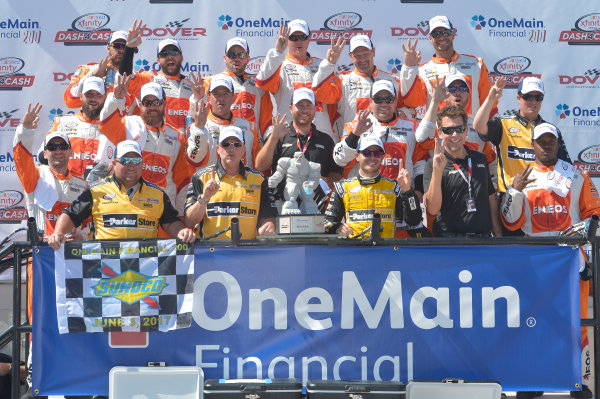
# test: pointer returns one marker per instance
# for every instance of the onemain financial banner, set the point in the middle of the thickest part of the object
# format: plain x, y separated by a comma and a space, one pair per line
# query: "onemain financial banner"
509, 314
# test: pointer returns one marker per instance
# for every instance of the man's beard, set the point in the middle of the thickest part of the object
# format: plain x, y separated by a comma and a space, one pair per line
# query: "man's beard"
91, 113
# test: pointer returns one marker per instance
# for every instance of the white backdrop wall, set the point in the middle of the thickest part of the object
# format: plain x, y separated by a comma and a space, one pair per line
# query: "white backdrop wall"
42, 43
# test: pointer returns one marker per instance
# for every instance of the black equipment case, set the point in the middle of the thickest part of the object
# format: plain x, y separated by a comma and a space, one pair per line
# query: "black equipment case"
326, 389
276, 388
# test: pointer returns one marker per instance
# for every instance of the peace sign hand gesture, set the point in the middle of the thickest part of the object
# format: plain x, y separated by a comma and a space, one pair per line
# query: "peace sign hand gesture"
403, 178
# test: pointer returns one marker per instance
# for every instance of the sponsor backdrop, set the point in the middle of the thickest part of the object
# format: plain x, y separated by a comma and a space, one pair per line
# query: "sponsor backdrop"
43, 42
326, 313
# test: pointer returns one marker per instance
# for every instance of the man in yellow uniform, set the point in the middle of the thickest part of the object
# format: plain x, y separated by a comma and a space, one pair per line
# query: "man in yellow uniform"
229, 189
123, 205
359, 198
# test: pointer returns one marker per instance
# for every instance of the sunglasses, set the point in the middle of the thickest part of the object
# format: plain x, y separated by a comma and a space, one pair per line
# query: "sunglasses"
380, 100
118, 45
168, 52
130, 161
227, 144
148, 103
372, 153
438, 33
536, 97
54, 146
295, 38
233, 55
454, 89
453, 129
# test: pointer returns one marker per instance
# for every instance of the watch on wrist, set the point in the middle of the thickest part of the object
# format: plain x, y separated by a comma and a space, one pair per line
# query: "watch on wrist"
202, 201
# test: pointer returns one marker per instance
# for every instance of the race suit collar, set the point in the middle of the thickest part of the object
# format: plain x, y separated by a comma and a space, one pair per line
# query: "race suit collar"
364, 75
368, 180
84, 118
229, 73
169, 77
121, 186
299, 62
440, 60
542, 168
222, 172
390, 122
525, 122
221, 121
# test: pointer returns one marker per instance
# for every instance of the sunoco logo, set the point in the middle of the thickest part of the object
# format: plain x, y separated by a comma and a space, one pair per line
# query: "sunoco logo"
88, 29
530, 29
186, 67
254, 64
27, 31
589, 80
581, 116
129, 287
344, 24
244, 27
10, 78
588, 160
586, 31
513, 69
421, 31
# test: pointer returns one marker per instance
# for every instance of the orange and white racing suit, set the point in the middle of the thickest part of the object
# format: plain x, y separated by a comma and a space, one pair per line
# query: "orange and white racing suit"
351, 90
73, 90
84, 135
163, 150
47, 192
251, 103
202, 143
282, 74
471, 68
559, 197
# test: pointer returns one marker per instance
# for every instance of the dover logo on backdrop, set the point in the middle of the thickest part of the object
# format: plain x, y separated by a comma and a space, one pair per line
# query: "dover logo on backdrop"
590, 79
177, 29
420, 31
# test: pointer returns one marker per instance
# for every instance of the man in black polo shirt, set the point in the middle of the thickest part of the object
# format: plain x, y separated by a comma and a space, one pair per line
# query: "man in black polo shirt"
459, 191
301, 135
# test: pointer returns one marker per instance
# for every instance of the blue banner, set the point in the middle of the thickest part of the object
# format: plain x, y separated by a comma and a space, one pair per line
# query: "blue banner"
503, 313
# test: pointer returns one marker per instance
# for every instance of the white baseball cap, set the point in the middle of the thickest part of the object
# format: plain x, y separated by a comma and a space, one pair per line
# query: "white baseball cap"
237, 41
126, 146
221, 80
231, 131
382, 85
55, 134
168, 42
93, 83
439, 21
360, 41
367, 140
303, 93
299, 25
530, 84
544, 128
152, 89
117, 35
453, 78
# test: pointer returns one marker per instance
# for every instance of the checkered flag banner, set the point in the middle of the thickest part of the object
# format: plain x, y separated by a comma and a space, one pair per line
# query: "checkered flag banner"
124, 286
176, 24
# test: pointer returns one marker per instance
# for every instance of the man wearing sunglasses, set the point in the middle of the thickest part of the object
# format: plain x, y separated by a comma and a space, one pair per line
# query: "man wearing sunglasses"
454, 90
211, 118
369, 192
446, 62
123, 205
48, 188
82, 128
281, 74
459, 190
106, 69
228, 189
351, 89
396, 133
511, 135
301, 135
177, 87
251, 103
165, 159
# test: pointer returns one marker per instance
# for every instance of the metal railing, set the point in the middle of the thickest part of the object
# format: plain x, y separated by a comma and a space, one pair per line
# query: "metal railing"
21, 251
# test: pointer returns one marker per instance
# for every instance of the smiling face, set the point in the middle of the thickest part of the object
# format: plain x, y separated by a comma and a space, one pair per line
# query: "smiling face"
383, 111
530, 109
303, 112
369, 160
152, 115
442, 44
363, 59
453, 143
170, 64
58, 159
115, 51
128, 174
92, 103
